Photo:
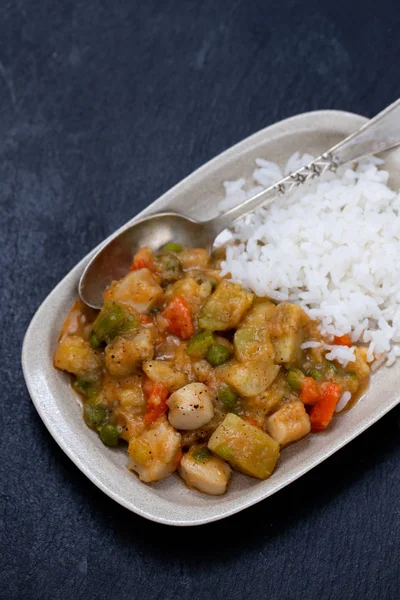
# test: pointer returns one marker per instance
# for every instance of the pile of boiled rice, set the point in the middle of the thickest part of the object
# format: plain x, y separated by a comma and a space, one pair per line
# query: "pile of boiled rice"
332, 246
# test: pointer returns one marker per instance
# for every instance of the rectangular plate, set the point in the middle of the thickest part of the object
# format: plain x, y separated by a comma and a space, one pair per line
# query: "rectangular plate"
169, 501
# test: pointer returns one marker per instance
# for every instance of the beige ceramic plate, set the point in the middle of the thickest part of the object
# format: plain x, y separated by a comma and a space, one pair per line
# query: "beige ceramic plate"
169, 501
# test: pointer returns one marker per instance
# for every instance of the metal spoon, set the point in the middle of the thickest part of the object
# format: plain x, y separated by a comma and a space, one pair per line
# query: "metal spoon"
113, 260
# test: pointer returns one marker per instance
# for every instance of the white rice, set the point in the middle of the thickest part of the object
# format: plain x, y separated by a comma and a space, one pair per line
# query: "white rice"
333, 246
343, 401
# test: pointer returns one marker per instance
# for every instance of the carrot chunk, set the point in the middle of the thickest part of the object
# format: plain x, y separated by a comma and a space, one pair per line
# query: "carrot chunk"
179, 318
310, 393
322, 412
156, 403
342, 340
143, 259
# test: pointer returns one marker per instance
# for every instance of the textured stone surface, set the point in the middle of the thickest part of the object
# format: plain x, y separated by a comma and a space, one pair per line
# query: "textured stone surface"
103, 106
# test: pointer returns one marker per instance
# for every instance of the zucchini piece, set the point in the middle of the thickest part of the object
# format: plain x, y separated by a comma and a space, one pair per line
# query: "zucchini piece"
199, 344
246, 447
111, 321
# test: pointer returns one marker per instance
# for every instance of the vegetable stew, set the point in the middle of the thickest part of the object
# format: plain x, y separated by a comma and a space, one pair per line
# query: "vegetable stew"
196, 374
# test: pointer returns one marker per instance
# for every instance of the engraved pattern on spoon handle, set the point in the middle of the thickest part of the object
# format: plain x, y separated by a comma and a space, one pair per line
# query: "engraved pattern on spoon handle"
316, 168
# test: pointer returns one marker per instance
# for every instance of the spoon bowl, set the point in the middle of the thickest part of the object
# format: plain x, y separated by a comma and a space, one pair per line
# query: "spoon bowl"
113, 259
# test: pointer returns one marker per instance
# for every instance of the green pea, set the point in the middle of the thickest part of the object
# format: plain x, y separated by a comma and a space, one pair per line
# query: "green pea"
109, 435
227, 396
94, 415
295, 378
172, 247
315, 374
218, 354
82, 385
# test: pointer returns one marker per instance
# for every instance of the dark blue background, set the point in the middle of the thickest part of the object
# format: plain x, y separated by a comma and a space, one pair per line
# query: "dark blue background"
103, 106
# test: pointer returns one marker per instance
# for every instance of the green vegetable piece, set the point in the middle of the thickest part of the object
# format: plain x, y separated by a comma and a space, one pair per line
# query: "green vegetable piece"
83, 385
94, 341
218, 354
227, 396
94, 415
199, 344
87, 387
225, 308
246, 447
201, 454
315, 374
112, 320
172, 247
109, 435
295, 378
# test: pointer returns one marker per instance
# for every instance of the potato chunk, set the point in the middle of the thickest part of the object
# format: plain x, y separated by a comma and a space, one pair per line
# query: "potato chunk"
261, 312
189, 289
125, 391
287, 346
194, 258
360, 366
286, 328
124, 353
289, 423
259, 407
246, 447
248, 378
76, 356
138, 289
204, 472
253, 343
163, 371
225, 308
190, 407
156, 453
